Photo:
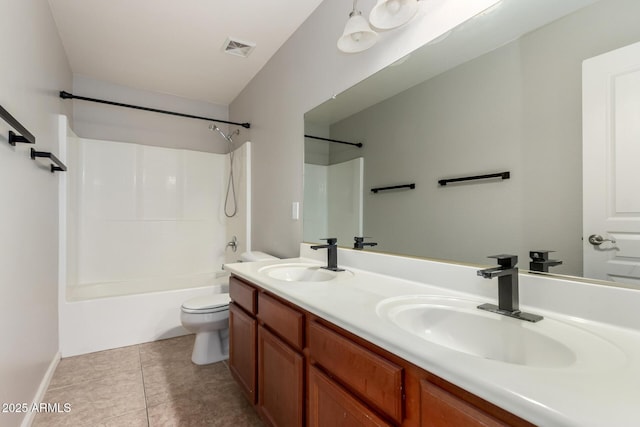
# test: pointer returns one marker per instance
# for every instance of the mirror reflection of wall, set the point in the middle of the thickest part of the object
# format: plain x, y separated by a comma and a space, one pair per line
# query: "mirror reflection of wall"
516, 108
333, 195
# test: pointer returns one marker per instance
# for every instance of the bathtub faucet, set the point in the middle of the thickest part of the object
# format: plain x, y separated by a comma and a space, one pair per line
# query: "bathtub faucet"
233, 243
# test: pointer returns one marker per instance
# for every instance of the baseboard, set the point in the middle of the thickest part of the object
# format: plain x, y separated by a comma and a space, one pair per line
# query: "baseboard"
44, 385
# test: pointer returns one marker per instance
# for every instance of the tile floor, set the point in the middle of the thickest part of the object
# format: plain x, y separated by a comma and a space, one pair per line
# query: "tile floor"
152, 384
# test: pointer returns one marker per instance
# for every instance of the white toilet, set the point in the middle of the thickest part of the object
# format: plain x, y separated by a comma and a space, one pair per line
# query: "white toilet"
208, 318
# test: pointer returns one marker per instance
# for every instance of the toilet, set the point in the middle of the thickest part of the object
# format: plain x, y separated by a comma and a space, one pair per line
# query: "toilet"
208, 317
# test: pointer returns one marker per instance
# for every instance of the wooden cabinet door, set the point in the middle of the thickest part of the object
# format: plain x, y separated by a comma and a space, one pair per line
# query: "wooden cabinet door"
242, 350
280, 381
330, 405
439, 408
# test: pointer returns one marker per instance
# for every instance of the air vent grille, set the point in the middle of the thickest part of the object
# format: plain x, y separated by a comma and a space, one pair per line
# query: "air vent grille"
237, 47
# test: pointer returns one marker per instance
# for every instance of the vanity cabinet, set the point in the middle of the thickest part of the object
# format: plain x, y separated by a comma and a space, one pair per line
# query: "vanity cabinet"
443, 404
242, 350
243, 336
439, 408
369, 376
332, 405
280, 362
301, 370
265, 353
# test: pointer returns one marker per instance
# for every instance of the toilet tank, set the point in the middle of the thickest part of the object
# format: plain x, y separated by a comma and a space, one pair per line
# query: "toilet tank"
256, 256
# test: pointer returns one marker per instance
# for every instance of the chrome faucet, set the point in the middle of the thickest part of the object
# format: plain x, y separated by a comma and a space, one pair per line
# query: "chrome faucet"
359, 243
508, 298
332, 253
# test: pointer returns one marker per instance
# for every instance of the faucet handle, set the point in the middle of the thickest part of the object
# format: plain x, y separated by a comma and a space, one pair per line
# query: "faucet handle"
330, 240
506, 260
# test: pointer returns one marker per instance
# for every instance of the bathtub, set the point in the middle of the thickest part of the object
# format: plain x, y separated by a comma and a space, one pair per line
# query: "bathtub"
94, 318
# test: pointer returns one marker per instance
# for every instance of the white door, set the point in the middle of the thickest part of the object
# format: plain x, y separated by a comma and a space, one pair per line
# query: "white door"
611, 165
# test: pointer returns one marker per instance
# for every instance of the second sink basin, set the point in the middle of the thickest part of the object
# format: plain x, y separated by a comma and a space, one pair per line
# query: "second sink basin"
296, 272
457, 324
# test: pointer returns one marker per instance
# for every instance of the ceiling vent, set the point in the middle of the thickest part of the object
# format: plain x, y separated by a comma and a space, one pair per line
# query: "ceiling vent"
237, 47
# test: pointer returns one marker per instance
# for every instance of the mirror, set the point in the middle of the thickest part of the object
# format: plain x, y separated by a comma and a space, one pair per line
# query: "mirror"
502, 92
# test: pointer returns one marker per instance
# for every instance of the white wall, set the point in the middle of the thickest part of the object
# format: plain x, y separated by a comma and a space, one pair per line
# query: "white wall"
111, 123
315, 198
239, 225
146, 212
305, 72
34, 69
345, 190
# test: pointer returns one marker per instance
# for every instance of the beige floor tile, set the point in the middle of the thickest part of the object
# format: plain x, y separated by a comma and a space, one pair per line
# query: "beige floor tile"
153, 384
95, 401
170, 380
93, 366
173, 349
132, 419
191, 410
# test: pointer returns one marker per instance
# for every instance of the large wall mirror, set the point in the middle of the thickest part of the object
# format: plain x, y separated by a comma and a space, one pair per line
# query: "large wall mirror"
502, 92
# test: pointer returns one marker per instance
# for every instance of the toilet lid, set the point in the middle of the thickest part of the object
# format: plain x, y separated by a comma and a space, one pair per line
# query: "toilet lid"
208, 303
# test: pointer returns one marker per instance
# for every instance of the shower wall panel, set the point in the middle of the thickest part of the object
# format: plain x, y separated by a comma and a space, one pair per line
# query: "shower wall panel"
147, 212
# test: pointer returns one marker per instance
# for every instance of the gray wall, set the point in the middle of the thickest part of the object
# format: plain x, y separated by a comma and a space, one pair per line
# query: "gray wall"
34, 69
464, 122
111, 123
305, 72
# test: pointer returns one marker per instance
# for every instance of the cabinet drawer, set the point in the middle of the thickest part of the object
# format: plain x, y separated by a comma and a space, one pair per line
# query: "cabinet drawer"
282, 319
439, 408
331, 405
243, 295
373, 378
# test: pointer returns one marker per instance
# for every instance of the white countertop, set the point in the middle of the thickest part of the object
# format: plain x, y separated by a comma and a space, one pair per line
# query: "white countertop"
600, 393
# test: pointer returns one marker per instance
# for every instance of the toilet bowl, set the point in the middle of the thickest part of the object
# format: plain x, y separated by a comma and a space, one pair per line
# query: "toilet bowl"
208, 318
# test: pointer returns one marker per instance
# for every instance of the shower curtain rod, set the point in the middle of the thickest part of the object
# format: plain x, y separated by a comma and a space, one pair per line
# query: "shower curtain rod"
67, 95
357, 144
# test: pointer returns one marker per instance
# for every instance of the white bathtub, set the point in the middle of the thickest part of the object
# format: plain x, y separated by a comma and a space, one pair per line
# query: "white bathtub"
91, 321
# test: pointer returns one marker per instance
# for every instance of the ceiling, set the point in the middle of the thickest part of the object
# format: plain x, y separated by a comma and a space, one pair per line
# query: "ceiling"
495, 27
175, 46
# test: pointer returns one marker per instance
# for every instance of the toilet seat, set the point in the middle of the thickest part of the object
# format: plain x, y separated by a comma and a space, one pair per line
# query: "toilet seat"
207, 304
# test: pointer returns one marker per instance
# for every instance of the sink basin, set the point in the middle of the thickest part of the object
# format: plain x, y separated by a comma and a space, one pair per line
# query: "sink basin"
458, 325
301, 273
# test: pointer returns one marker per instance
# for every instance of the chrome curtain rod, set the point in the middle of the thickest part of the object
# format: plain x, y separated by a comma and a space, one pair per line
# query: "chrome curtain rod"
67, 95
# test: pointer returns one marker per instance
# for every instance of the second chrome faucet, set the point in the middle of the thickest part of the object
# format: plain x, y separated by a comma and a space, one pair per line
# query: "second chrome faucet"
508, 298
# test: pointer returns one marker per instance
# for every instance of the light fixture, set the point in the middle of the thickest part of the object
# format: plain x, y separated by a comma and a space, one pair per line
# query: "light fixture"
357, 35
389, 14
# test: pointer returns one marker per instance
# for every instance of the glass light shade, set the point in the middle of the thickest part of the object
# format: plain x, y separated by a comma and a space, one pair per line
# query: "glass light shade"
358, 35
388, 14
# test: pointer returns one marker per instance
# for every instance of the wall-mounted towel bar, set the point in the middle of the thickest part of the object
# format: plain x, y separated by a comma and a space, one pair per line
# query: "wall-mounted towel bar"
503, 175
23, 134
56, 165
394, 187
357, 144
67, 95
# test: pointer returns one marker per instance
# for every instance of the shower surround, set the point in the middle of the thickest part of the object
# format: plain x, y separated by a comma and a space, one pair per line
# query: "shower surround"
142, 229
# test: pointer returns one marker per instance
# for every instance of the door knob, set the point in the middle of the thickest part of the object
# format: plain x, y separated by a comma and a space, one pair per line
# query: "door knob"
597, 240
